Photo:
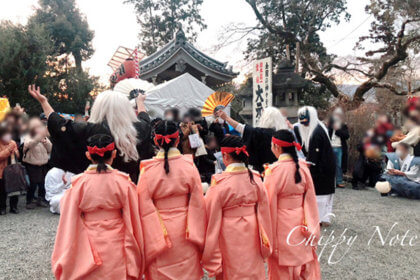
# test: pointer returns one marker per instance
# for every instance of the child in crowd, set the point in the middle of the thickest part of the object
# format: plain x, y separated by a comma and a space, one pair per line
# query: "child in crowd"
8, 148
294, 213
238, 231
172, 210
99, 235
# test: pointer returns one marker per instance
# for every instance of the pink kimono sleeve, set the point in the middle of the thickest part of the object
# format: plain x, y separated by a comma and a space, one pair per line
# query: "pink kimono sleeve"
212, 256
155, 235
133, 240
310, 207
272, 192
196, 220
74, 256
264, 221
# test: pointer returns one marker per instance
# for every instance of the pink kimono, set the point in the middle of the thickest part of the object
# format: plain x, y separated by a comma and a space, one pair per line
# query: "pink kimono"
294, 216
239, 227
173, 216
99, 235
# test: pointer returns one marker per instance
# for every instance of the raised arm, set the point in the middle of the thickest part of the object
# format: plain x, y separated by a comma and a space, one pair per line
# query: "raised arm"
35, 92
222, 114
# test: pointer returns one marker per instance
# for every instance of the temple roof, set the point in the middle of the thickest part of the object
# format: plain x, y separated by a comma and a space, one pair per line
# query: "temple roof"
178, 57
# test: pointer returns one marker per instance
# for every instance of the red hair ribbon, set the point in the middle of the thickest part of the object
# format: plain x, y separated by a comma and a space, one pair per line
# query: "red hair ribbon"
101, 151
166, 138
282, 143
237, 150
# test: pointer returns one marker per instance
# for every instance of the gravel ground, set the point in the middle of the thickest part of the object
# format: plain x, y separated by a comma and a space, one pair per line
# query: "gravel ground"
27, 240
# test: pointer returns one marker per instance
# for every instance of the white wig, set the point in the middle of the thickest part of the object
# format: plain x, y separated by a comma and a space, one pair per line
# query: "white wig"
272, 118
306, 131
115, 109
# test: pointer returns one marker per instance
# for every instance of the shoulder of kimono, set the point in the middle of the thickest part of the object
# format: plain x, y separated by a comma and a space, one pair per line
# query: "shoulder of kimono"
77, 180
146, 164
218, 178
188, 158
122, 175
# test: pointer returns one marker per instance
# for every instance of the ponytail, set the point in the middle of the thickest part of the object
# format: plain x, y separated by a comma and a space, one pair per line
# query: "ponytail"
166, 135
286, 140
294, 156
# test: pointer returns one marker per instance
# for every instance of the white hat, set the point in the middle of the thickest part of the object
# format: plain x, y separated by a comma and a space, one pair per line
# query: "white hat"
383, 187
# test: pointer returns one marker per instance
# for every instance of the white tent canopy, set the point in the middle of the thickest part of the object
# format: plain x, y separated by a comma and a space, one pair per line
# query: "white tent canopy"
182, 92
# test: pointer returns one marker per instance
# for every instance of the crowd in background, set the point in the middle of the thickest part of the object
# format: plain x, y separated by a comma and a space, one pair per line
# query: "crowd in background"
26, 140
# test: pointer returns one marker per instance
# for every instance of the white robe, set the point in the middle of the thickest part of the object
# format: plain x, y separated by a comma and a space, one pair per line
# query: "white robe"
55, 187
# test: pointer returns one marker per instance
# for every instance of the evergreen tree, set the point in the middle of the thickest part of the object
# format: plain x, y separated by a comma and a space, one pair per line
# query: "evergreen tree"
160, 19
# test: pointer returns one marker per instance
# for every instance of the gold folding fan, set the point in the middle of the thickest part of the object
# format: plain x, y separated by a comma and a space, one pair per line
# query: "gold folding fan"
215, 101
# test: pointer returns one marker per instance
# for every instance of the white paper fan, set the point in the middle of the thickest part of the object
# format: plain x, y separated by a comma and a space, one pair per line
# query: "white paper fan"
130, 87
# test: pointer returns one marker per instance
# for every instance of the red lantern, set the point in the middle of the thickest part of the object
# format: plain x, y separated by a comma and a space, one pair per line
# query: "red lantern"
126, 70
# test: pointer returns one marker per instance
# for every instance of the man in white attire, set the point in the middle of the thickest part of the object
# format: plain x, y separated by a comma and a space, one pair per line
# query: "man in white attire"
57, 182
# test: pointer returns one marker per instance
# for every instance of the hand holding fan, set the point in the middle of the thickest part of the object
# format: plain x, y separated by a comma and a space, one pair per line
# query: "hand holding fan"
216, 101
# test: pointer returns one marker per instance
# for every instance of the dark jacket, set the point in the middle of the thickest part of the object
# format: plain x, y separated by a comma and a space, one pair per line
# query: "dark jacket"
344, 135
321, 156
69, 141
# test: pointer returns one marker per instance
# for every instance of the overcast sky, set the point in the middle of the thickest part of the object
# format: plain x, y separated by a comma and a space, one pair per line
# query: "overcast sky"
115, 25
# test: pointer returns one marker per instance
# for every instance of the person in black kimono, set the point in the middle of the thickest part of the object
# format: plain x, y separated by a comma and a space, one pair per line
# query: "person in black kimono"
111, 114
313, 136
258, 139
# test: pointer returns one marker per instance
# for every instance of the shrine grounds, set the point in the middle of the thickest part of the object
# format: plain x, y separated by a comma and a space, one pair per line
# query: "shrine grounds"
356, 252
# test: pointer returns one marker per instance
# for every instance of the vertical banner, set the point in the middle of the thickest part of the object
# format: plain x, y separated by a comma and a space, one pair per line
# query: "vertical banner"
262, 96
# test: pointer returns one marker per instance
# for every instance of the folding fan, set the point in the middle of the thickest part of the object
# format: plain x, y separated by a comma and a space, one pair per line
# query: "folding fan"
131, 87
216, 101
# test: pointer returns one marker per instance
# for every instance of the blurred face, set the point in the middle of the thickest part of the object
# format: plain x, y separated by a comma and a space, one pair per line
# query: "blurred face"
212, 144
36, 127
382, 119
401, 151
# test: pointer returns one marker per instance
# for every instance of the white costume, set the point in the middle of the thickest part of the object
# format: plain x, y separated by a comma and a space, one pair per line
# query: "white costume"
55, 187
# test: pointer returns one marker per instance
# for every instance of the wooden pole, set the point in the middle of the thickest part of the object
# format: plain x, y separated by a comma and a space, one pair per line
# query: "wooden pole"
297, 57
288, 52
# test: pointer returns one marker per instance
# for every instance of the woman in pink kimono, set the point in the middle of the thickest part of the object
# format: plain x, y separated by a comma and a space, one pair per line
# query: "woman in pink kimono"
99, 235
294, 213
172, 210
238, 215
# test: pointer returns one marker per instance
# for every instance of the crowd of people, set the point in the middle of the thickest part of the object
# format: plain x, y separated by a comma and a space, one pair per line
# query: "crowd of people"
211, 193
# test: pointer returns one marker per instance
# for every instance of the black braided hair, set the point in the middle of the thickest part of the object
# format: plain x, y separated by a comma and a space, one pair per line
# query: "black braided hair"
287, 136
100, 141
236, 142
166, 128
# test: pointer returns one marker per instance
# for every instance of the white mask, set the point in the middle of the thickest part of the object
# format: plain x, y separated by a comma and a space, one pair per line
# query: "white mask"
7, 138
221, 121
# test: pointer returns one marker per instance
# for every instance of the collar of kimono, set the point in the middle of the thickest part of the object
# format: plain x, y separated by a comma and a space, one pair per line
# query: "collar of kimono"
173, 152
283, 157
235, 167
282, 143
95, 166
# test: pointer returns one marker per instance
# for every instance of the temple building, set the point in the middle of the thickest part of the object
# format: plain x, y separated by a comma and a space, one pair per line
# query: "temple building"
178, 57
287, 88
